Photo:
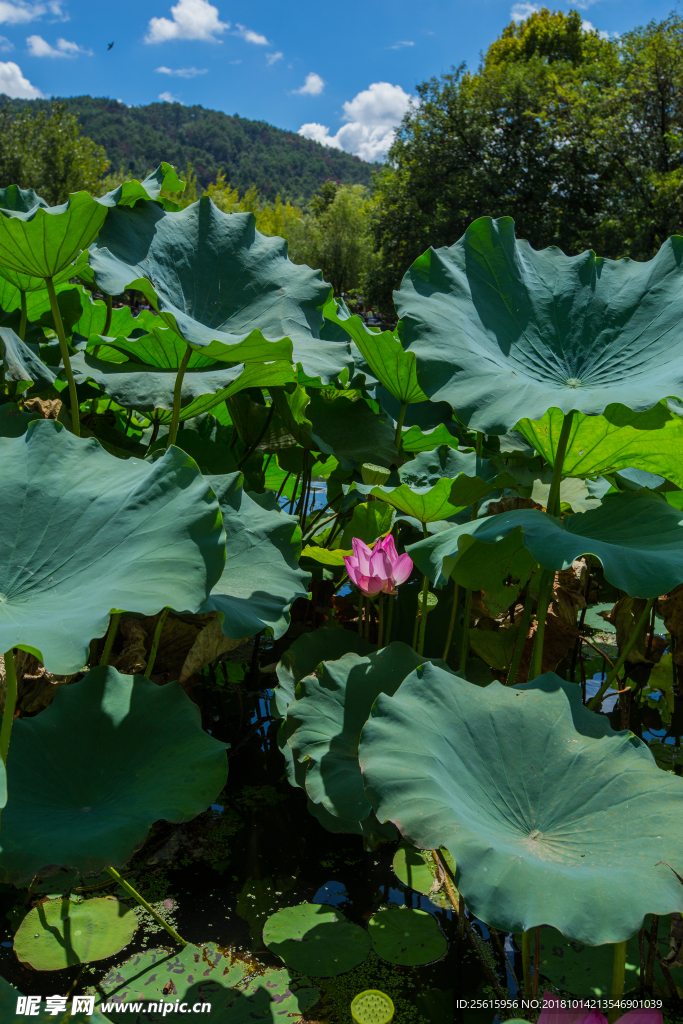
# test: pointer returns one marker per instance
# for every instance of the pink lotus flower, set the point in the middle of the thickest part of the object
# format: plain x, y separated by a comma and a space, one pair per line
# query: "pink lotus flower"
377, 570
553, 1013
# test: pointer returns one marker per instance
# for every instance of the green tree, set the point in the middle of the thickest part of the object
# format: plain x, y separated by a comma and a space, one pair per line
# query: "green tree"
335, 236
46, 151
578, 138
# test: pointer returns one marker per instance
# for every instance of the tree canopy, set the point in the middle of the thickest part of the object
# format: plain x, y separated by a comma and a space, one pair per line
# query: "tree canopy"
576, 137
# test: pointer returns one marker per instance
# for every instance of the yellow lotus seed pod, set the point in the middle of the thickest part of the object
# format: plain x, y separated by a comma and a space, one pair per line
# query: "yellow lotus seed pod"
372, 1007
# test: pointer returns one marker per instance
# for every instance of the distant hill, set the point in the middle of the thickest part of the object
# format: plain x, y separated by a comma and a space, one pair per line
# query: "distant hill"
250, 152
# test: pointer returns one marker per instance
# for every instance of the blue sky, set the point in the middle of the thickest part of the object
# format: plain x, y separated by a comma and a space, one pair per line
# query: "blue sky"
342, 71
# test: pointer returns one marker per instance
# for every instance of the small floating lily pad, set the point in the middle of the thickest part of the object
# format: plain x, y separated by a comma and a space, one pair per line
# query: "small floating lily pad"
416, 869
405, 936
316, 940
60, 933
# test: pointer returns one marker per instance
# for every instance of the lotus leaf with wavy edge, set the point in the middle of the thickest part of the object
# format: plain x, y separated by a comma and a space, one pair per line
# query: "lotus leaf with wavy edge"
438, 484
502, 331
637, 536
126, 533
261, 579
21, 365
88, 776
141, 373
552, 819
326, 718
219, 282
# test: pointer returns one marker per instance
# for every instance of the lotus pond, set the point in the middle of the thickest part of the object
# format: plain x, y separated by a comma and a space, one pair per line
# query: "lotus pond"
341, 666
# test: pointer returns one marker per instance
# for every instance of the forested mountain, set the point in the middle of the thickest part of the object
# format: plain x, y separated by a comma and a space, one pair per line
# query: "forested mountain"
250, 152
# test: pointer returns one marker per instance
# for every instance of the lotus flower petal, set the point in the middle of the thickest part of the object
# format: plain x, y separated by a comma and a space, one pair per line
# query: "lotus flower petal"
352, 568
371, 584
403, 566
363, 554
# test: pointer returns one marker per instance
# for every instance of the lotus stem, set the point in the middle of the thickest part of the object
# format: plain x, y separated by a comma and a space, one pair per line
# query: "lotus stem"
423, 617
651, 953
537, 960
526, 962
10, 704
24, 317
464, 927
64, 351
111, 636
554, 496
465, 645
451, 621
366, 618
521, 638
177, 391
399, 425
390, 615
626, 650
380, 614
618, 977
282, 485
143, 903
544, 594
107, 320
296, 488
155, 643
420, 607
360, 613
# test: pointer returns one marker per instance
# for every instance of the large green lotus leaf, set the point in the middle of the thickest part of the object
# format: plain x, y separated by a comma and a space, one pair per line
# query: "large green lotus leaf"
619, 439
219, 282
638, 538
261, 578
307, 652
253, 374
60, 933
369, 521
238, 992
384, 354
552, 819
316, 940
438, 484
503, 332
113, 534
21, 365
415, 439
43, 241
93, 316
326, 718
587, 970
407, 937
89, 775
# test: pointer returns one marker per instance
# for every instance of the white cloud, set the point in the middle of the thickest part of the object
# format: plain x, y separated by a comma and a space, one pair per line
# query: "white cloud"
372, 117
313, 85
38, 47
168, 97
588, 26
249, 36
182, 72
5, 45
13, 83
20, 13
192, 19
273, 58
522, 11
400, 44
